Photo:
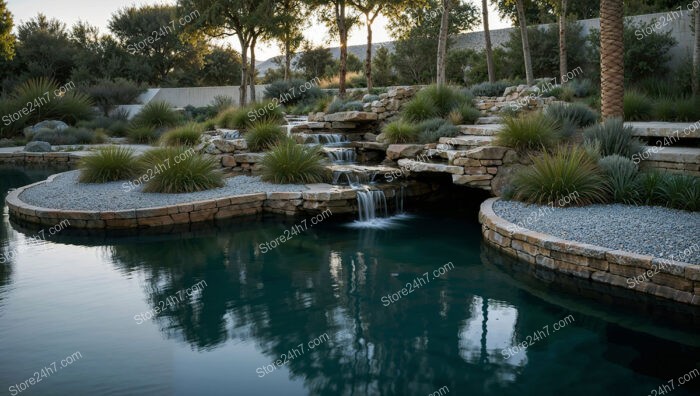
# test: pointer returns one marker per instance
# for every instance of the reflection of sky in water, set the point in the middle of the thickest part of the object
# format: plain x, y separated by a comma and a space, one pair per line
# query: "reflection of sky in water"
482, 337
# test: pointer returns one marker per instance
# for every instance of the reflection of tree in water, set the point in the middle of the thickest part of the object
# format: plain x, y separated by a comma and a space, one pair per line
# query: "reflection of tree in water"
317, 283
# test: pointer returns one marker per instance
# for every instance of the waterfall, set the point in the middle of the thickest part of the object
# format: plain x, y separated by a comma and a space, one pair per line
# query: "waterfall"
342, 155
371, 203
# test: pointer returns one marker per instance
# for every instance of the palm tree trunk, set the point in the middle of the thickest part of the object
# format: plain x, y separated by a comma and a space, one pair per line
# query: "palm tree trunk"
696, 54
487, 39
368, 56
612, 75
526, 43
563, 64
442, 42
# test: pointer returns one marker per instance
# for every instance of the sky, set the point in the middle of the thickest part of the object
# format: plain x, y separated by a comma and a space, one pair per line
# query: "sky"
98, 12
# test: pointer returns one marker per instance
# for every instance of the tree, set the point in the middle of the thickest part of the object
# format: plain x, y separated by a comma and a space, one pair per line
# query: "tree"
487, 39
334, 13
288, 32
222, 66
7, 39
563, 65
526, 44
354, 63
44, 49
313, 62
383, 69
696, 54
442, 41
612, 49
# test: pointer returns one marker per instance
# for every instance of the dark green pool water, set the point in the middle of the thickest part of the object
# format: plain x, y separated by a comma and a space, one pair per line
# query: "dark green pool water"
328, 288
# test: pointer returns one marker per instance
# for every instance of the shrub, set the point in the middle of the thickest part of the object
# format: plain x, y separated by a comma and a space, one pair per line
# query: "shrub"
688, 110
292, 92
293, 163
232, 118
531, 131
464, 115
186, 171
221, 103
431, 135
443, 97
568, 172
339, 105
614, 138
107, 94
115, 127
69, 136
637, 107
420, 109
369, 98
582, 87
186, 135
400, 132
621, 176
649, 187
108, 164
263, 136
560, 92
680, 191
577, 114
156, 115
142, 135
490, 89
354, 105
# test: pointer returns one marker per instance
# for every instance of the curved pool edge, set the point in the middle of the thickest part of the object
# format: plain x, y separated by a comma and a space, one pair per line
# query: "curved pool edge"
315, 199
671, 280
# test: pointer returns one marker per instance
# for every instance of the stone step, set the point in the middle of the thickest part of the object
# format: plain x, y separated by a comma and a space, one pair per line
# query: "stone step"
480, 130
687, 155
488, 120
449, 155
465, 142
371, 146
419, 167
676, 130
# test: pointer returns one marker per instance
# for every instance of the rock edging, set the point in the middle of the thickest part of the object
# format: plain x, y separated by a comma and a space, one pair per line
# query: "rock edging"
676, 281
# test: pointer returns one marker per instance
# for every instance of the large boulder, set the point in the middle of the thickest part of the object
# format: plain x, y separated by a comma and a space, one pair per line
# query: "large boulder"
53, 125
38, 147
397, 151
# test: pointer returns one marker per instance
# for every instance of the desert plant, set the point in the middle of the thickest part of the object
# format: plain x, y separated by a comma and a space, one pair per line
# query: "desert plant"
288, 162
530, 131
370, 98
649, 187
420, 109
680, 191
186, 135
490, 89
262, 136
637, 107
621, 176
432, 135
69, 105
108, 164
582, 87
156, 115
142, 135
400, 132
578, 114
568, 174
185, 172
614, 138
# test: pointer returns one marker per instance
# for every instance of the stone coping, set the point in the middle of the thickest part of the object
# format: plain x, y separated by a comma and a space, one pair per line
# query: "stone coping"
671, 280
318, 198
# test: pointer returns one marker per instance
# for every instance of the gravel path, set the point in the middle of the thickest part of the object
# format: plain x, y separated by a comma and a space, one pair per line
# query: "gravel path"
64, 192
655, 231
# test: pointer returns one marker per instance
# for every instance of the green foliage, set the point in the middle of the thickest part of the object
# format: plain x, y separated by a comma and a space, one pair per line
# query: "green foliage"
561, 92
186, 135
7, 39
649, 187
430, 131
369, 98
191, 172
490, 89
113, 126
142, 135
420, 108
613, 137
679, 110
400, 132
568, 174
383, 74
637, 107
531, 131
582, 87
293, 163
621, 177
293, 92
222, 66
315, 62
680, 191
108, 164
107, 94
445, 98
245, 117
577, 114
156, 115
262, 136
339, 105
68, 136
464, 115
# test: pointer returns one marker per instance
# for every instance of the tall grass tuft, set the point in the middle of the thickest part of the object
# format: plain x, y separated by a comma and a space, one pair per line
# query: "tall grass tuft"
108, 164
288, 162
637, 107
680, 191
621, 176
420, 109
186, 135
613, 137
400, 131
263, 135
156, 115
180, 170
530, 131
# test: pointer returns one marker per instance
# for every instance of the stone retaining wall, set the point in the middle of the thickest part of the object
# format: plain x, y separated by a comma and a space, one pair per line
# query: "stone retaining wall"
676, 281
64, 159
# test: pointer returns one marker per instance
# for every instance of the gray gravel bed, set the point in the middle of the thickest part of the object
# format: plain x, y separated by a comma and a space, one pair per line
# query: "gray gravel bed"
64, 192
654, 231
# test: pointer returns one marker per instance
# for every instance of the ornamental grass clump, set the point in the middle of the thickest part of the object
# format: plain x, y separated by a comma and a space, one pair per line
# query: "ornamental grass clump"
613, 137
621, 178
400, 131
264, 135
567, 174
528, 132
680, 191
186, 135
291, 163
180, 170
108, 164
156, 115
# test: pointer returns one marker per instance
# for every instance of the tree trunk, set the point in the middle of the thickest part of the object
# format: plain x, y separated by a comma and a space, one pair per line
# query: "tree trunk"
442, 42
696, 54
251, 78
612, 67
563, 64
368, 56
287, 60
526, 43
244, 73
487, 39
342, 31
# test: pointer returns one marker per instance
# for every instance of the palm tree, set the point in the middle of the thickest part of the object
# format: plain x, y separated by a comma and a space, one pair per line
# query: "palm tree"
487, 39
612, 66
526, 44
563, 65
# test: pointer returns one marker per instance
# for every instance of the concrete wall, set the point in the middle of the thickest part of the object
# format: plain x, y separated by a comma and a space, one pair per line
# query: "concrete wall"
195, 96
